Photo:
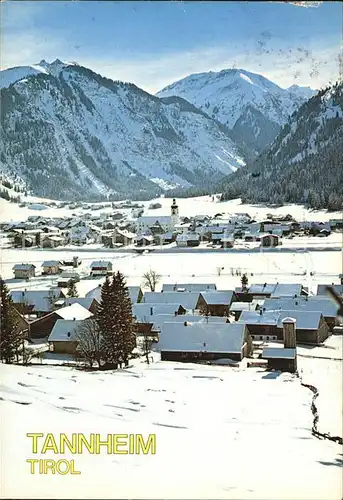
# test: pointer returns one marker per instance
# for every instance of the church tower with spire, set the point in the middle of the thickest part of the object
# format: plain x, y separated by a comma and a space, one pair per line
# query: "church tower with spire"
174, 214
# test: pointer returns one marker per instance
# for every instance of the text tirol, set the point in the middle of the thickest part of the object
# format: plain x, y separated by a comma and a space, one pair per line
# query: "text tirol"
77, 444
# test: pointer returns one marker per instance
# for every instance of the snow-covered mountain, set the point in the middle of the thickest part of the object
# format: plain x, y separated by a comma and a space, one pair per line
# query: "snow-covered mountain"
304, 164
67, 130
249, 104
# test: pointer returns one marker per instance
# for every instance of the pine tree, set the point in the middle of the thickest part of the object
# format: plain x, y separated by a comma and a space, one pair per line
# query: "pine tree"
72, 290
125, 324
106, 317
10, 338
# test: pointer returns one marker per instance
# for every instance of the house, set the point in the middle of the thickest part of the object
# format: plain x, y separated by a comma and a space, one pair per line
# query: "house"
63, 336
215, 303
280, 359
261, 325
227, 241
24, 271
101, 268
269, 240
270, 290
188, 300
51, 267
52, 241
124, 237
320, 303
144, 240
166, 222
38, 302
145, 314
165, 238
203, 341
311, 327
189, 239
42, 326
188, 287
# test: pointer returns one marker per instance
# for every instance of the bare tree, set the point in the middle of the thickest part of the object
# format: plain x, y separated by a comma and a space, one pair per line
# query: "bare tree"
150, 279
148, 340
219, 270
90, 345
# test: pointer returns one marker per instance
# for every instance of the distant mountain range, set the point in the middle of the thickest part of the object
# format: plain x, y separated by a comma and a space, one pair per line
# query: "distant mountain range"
304, 164
251, 106
66, 130
70, 133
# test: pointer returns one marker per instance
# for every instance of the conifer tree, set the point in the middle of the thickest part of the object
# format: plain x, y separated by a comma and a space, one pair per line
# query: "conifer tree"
72, 290
244, 281
10, 338
106, 318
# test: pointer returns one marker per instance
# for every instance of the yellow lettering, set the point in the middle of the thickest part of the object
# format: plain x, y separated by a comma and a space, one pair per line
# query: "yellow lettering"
32, 461
131, 444
72, 470
140, 445
117, 443
49, 465
34, 436
83, 441
107, 443
49, 444
61, 462
72, 446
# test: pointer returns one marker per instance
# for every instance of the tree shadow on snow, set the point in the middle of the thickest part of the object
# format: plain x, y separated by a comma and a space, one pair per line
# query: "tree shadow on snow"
272, 375
338, 462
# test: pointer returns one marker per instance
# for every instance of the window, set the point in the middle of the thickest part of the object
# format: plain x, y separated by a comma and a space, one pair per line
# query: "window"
267, 337
261, 337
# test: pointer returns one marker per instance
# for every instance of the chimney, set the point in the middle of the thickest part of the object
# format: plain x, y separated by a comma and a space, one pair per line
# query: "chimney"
261, 312
175, 313
151, 311
289, 333
185, 323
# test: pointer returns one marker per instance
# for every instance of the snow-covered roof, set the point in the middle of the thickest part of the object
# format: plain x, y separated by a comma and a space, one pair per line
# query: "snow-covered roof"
255, 318
23, 267
321, 304
243, 306
134, 291
74, 311
144, 312
218, 297
276, 289
201, 337
305, 320
95, 293
158, 320
321, 289
41, 300
51, 263
187, 237
153, 219
278, 353
188, 300
64, 330
102, 263
85, 302
188, 287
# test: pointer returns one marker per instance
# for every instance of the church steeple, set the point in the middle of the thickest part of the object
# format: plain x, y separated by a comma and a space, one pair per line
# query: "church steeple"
174, 213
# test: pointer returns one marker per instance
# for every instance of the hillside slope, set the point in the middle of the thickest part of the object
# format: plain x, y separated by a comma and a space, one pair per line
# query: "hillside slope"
66, 130
305, 162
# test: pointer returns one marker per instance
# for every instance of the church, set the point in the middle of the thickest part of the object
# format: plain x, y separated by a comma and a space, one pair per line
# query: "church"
167, 222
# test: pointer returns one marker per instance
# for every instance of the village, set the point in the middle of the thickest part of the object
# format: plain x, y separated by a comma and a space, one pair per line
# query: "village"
125, 226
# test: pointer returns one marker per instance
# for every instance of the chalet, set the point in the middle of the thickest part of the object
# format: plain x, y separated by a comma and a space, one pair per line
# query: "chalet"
188, 287
144, 240
42, 326
63, 336
311, 327
52, 241
101, 268
124, 237
280, 359
261, 325
269, 240
189, 239
188, 300
321, 304
24, 271
227, 241
51, 267
203, 341
215, 303
270, 290
145, 314
165, 238
71, 275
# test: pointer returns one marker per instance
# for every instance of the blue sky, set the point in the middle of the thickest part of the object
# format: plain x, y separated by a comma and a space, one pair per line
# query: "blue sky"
153, 44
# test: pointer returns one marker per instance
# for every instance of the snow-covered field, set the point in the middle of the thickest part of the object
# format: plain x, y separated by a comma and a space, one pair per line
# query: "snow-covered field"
221, 432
